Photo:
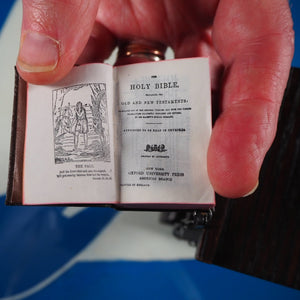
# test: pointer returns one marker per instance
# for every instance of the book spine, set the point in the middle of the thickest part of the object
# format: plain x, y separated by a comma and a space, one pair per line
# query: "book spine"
14, 194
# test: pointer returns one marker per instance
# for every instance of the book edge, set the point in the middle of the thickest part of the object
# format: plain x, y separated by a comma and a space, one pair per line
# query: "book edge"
14, 194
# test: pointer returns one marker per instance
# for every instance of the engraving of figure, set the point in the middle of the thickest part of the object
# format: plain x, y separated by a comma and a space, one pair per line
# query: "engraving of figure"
63, 121
81, 125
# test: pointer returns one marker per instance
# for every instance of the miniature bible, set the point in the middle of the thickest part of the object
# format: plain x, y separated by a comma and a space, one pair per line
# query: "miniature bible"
132, 136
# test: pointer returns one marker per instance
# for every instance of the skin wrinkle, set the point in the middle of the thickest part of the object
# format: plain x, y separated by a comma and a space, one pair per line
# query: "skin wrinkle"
143, 15
90, 53
38, 15
133, 12
45, 12
167, 20
256, 152
265, 117
227, 170
178, 16
248, 30
262, 129
249, 66
78, 32
267, 90
109, 21
189, 45
192, 29
44, 18
100, 30
253, 46
237, 145
56, 24
200, 44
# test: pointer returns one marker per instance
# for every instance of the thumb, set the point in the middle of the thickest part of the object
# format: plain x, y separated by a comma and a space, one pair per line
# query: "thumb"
54, 33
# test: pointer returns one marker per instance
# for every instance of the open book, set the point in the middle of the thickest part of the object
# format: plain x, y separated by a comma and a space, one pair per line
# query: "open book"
130, 136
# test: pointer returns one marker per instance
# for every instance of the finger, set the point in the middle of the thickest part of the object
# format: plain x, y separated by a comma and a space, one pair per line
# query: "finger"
200, 44
99, 46
54, 33
256, 49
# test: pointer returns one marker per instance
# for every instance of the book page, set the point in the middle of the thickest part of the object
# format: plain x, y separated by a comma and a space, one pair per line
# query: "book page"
165, 116
69, 145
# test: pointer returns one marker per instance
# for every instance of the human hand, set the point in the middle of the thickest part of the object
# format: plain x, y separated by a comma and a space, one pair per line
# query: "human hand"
252, 41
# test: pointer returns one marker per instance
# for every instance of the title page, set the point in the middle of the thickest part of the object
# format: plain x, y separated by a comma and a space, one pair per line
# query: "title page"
165, 117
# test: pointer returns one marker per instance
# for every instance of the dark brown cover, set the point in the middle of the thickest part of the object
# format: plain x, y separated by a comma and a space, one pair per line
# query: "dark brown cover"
14, 194
260, 235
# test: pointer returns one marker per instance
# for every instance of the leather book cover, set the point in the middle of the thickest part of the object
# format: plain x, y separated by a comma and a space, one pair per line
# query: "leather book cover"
15, 176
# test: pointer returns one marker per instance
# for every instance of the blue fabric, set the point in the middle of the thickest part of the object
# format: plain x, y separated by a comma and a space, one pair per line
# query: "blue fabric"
295, 7
182, 280
5, 7
37, 241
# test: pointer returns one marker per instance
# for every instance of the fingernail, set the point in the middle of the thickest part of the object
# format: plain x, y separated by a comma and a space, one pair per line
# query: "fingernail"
38, 53
253, 190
